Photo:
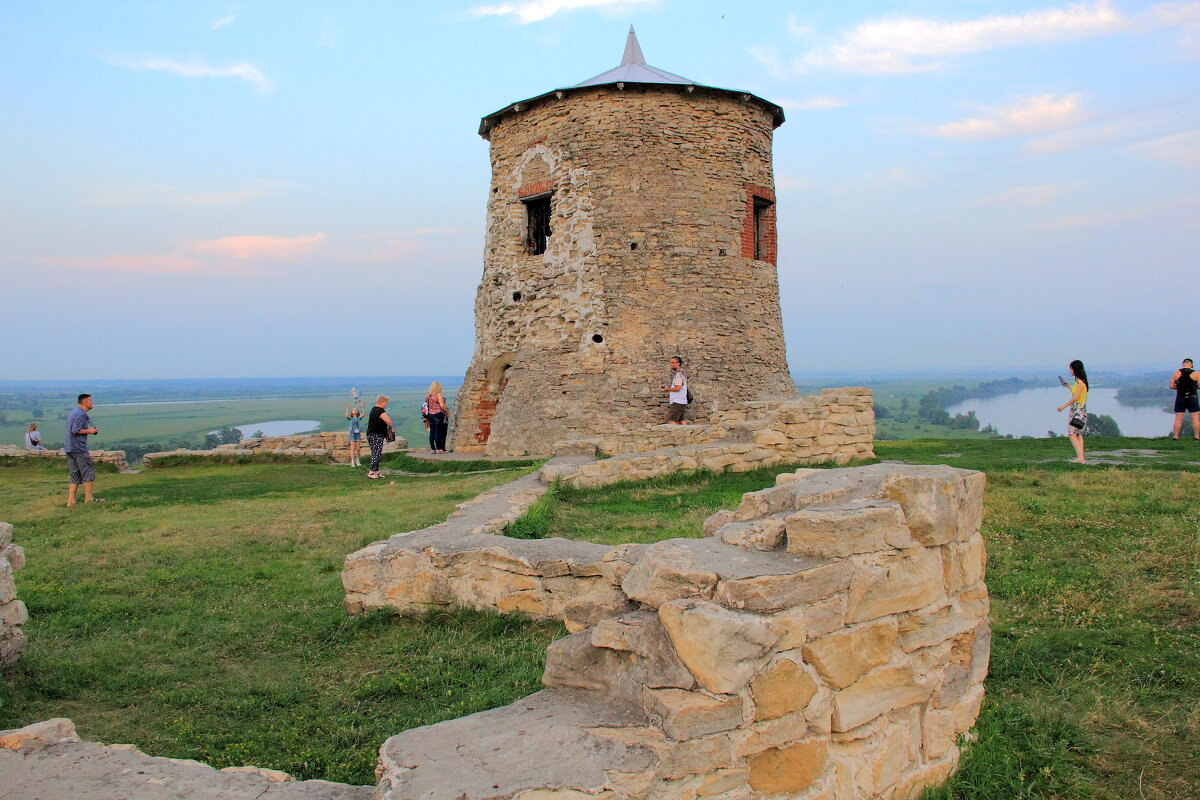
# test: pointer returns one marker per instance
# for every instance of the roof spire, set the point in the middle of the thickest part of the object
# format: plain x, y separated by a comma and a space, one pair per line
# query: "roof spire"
633, 50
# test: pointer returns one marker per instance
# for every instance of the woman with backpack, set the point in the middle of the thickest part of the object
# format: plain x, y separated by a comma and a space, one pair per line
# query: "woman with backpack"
437, 417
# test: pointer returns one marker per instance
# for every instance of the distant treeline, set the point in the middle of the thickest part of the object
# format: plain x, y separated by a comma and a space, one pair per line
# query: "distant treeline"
1144, 394
932, 407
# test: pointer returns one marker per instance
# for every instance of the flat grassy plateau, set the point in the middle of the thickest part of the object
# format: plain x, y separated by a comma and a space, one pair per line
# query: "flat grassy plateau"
197, 613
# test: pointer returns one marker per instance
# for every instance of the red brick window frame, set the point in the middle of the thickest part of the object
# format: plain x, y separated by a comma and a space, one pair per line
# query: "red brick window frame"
759, 240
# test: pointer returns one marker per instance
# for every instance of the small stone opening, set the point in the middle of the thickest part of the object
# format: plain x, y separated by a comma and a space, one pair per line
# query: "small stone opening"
762, 209
516, 295
537, 229
597, 338
633, 245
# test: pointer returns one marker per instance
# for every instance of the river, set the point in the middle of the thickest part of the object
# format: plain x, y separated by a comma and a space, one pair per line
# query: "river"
1030, 412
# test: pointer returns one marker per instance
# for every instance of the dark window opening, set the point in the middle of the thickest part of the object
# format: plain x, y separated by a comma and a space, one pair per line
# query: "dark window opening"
537, 230
516, 295
597, 338
762, 208
633, 245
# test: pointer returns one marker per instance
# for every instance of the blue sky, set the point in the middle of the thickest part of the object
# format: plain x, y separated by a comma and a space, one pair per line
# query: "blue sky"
282, 187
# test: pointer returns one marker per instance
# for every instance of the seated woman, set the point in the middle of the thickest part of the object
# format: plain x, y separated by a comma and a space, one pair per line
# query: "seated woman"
33, 439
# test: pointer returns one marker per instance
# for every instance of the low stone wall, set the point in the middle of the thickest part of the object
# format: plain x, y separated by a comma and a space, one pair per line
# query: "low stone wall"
334, 447
114, 457
12, 611
47, 760
828, 639
837, 425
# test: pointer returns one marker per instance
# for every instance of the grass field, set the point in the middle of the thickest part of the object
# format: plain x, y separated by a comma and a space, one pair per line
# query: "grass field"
1094, 573
197, 613
187, 422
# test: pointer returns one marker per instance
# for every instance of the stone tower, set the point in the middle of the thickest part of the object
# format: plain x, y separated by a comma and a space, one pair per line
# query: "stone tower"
631, 217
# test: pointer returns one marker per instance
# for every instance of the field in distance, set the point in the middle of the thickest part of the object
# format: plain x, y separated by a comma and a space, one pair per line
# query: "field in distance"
143, 416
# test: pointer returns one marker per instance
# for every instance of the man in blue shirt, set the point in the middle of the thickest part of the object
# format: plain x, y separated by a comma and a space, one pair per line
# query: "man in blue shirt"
79, 427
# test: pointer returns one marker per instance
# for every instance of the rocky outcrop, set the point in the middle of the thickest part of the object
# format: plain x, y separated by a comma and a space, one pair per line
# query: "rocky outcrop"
114, 457
12, 611
837, 425
827, 639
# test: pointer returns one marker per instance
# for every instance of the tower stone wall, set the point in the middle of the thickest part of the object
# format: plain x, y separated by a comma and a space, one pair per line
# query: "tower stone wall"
661, 197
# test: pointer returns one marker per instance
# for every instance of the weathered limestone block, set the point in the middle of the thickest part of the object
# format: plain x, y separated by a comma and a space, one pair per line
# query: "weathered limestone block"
963, 563
938, 502
845, 529
667, 571
689, 715
39, 735
773, 592
892, 583
782, 688
762, 534
881, 691
844, 657
789, 769
13, 613
723, 649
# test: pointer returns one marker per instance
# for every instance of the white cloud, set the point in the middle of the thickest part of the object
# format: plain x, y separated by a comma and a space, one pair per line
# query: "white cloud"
1178, 148
1038, 195
1184, 17
221, 22
1032, 115
538, 10
912, 44
245, 71
819, 103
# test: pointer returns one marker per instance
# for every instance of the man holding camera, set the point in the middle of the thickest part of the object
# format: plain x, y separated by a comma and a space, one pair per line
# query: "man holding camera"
79, 427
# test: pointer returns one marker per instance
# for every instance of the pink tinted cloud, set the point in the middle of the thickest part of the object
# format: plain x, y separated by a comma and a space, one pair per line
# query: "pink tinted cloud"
260, 248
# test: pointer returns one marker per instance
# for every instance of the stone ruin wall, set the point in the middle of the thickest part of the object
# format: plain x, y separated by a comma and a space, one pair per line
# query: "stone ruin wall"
335, 447
838, 425
13, 613
652, 194
114, 457
828, 639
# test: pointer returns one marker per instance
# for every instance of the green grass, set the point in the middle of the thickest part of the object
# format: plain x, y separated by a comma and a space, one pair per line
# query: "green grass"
1094, 574
197, 613
406, 463
669, 507
230, 459
536, 522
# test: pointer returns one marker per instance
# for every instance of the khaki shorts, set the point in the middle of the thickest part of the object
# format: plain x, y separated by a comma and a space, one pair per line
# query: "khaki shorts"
676, 411
82, 469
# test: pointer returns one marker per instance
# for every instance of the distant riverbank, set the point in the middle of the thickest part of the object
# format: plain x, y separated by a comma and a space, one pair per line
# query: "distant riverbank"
1031, 412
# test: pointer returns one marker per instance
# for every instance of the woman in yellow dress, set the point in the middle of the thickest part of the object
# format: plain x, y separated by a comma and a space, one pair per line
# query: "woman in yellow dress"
1077, 419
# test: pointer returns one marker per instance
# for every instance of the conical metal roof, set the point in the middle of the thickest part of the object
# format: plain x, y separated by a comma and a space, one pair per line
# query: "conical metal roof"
634, 69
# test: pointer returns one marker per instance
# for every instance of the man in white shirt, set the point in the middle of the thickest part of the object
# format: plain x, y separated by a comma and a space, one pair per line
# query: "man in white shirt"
677, 393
